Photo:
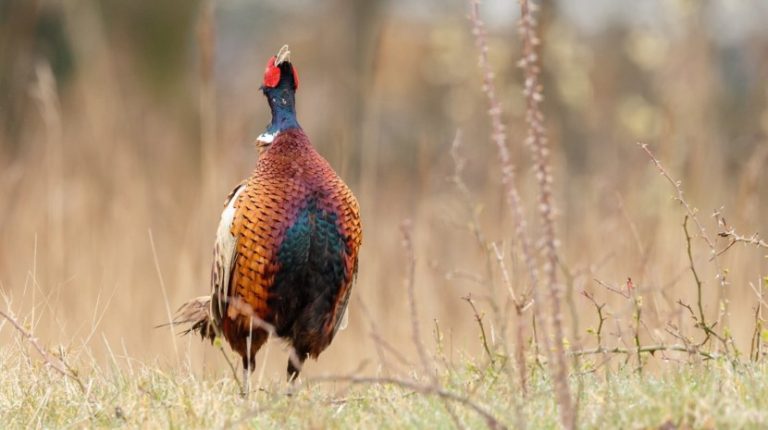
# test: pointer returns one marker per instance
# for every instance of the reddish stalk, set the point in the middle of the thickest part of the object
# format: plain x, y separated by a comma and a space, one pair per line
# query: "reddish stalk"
536, 141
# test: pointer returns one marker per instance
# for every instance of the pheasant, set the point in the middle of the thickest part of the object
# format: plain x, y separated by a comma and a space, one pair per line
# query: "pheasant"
286, 248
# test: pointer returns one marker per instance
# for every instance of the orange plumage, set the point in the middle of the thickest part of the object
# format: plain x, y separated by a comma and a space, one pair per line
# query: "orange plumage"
286, 251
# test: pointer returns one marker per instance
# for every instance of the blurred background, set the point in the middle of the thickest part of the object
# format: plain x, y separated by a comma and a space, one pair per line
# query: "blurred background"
123, 125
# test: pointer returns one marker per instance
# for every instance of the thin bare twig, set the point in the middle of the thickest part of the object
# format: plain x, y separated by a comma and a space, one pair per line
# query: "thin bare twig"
491, 421
735, 238
612, 289
406, 228
499, 138
536, 141
756, 344
601, 317
680, 197
381, 344
232, 368
512, 196
638, 308
499, 318
521, 303
168, 312
479, 320
692, 213
59, 366
647, 349
702, 319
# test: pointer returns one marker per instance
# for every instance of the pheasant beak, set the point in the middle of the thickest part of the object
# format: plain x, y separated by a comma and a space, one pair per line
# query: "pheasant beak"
283, 55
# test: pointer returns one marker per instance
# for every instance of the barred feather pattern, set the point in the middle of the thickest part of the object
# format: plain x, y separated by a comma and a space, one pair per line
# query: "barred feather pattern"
286, 261
203, 314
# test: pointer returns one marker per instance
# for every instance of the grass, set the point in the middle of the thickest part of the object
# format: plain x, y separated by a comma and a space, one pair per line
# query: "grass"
146, 395
688, 299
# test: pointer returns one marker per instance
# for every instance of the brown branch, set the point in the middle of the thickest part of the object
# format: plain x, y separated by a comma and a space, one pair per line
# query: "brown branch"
756, 345
499, 138
612, 288
599, 308
737, 238
708, 330
479, 320
647, 349
702, 323
539, 147
543, 175
638, 309
680, 197
518, 301
695, 274
521, 305
691, 212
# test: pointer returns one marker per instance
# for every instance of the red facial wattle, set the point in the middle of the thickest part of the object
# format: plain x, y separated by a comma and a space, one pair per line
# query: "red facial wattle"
295, 78
272, 75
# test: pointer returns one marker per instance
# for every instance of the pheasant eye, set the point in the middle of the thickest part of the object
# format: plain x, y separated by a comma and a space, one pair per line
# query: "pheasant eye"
271, 74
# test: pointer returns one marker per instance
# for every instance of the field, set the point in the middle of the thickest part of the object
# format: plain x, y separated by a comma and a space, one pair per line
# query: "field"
563, 234
131, 394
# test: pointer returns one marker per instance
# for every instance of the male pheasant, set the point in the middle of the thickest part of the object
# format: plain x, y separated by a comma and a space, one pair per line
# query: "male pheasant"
286, 249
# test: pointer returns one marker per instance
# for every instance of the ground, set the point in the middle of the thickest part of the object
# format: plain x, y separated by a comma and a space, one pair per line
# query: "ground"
716, 394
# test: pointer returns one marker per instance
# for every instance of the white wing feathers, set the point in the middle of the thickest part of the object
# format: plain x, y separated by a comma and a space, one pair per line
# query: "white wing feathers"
224, 257
344, 320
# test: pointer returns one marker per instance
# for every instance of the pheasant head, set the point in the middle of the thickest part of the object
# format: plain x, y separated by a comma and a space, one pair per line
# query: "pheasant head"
279, 86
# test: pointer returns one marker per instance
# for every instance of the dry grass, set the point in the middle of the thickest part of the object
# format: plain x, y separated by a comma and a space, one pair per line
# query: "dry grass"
112, 187
128, 393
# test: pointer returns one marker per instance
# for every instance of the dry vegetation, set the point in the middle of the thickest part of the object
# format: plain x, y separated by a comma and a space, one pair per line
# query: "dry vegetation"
549, 272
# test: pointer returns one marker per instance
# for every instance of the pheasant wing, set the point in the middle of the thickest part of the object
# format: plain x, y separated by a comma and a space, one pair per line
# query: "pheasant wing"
224, 250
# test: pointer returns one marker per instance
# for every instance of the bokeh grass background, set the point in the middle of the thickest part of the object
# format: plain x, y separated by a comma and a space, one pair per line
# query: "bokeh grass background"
124, 124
